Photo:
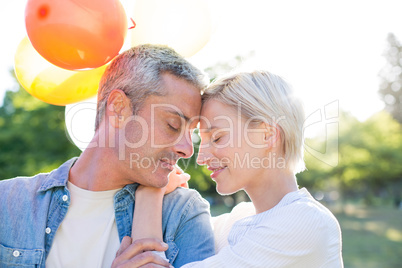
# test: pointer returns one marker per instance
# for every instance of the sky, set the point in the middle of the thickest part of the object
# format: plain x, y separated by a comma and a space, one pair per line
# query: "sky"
330, 51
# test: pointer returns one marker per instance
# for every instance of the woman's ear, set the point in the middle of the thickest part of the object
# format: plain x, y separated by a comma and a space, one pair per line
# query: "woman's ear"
118, 108
271, 135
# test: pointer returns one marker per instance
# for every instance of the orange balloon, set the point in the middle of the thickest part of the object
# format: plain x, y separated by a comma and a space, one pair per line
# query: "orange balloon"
76, 34
50, 83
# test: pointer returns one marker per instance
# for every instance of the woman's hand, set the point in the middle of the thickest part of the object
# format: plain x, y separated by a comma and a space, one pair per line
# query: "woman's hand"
177, 178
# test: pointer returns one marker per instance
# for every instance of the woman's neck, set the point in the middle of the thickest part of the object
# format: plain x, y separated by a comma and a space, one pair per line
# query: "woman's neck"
268, 190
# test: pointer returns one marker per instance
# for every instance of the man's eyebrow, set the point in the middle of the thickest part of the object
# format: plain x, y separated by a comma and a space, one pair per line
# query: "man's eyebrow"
179, 114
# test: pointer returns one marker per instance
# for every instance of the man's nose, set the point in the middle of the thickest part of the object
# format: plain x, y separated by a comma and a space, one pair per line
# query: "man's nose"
184, 147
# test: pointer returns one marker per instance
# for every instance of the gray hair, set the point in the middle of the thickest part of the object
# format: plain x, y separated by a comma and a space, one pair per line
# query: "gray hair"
137, 72
265, 97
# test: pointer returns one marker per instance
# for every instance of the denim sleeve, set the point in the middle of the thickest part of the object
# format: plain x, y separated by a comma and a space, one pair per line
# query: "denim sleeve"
193, 238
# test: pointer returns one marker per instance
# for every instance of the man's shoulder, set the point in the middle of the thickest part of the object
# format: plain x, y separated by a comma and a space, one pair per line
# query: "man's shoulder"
185, 195
182, 201
24, 182
186, 225
21, 190
41, 181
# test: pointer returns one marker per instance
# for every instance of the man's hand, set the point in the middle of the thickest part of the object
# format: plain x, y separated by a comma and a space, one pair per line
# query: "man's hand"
140, 254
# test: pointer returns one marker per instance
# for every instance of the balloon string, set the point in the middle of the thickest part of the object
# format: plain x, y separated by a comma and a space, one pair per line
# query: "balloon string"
132, 27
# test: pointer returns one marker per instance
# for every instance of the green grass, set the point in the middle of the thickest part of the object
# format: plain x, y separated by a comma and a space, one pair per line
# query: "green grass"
372, 236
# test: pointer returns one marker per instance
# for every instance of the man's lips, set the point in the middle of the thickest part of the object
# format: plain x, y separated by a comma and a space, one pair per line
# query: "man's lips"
168, 164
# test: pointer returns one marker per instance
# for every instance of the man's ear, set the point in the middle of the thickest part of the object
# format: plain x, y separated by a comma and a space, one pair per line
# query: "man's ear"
271, 135
118, 108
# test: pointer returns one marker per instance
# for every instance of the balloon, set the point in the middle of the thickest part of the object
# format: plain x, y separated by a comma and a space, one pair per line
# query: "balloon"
50, 83
183, 25
80, 122
76, 34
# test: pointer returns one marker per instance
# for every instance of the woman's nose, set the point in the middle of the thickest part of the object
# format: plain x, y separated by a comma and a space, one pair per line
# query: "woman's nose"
203, 156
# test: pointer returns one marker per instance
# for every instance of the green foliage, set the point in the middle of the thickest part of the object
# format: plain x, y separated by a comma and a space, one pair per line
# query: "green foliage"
370, 157
371, 152
32, 137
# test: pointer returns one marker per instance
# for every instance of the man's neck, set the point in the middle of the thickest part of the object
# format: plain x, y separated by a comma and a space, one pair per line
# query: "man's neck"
97, 170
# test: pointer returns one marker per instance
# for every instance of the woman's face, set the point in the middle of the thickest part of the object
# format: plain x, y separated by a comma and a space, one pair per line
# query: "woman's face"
232, 148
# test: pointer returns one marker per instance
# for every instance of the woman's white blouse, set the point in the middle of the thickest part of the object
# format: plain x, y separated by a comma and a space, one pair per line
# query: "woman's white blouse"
297, 232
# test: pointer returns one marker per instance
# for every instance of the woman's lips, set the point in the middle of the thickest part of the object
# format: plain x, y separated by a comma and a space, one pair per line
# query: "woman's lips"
216, 171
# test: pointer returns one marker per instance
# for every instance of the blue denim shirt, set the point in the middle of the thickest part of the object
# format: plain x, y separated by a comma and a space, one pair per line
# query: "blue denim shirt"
32, 209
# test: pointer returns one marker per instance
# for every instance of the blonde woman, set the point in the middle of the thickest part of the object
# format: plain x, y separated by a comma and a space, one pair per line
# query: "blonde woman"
251, 129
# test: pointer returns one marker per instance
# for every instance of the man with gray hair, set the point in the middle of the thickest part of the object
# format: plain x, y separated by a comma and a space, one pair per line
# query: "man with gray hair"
149, 102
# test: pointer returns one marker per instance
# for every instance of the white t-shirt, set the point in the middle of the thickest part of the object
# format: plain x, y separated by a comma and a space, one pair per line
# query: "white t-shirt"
298, 232
88, 235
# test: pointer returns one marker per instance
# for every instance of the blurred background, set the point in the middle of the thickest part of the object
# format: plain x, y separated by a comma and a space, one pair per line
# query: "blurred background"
343, 59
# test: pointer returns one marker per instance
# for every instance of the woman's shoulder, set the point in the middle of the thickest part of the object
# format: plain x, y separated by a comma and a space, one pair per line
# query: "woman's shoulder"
303, 206
185, 195
300, 215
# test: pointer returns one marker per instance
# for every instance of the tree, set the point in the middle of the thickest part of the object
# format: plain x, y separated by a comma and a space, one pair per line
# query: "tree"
33, 137
370, 154
391, 78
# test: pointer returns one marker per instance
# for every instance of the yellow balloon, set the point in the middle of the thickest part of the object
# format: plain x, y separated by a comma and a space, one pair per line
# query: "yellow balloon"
183, 25
50, 83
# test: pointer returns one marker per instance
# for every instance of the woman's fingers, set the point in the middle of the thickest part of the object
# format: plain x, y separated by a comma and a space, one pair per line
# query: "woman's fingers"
176, 179
184, 178
184, 185
178, 169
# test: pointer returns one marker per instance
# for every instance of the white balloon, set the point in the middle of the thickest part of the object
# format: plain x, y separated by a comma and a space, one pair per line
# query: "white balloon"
184, 25
80, 122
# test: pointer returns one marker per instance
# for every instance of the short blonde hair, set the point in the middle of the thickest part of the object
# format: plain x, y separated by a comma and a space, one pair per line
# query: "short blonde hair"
265, 97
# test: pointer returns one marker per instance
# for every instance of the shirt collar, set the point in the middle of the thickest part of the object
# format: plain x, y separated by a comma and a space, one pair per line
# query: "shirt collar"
58, 177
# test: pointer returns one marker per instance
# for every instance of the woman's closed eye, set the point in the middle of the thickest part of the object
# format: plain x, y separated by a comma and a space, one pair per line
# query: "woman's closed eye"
216, 139
219, 137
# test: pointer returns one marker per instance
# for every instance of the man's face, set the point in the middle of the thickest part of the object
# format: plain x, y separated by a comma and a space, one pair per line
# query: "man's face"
160, 134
